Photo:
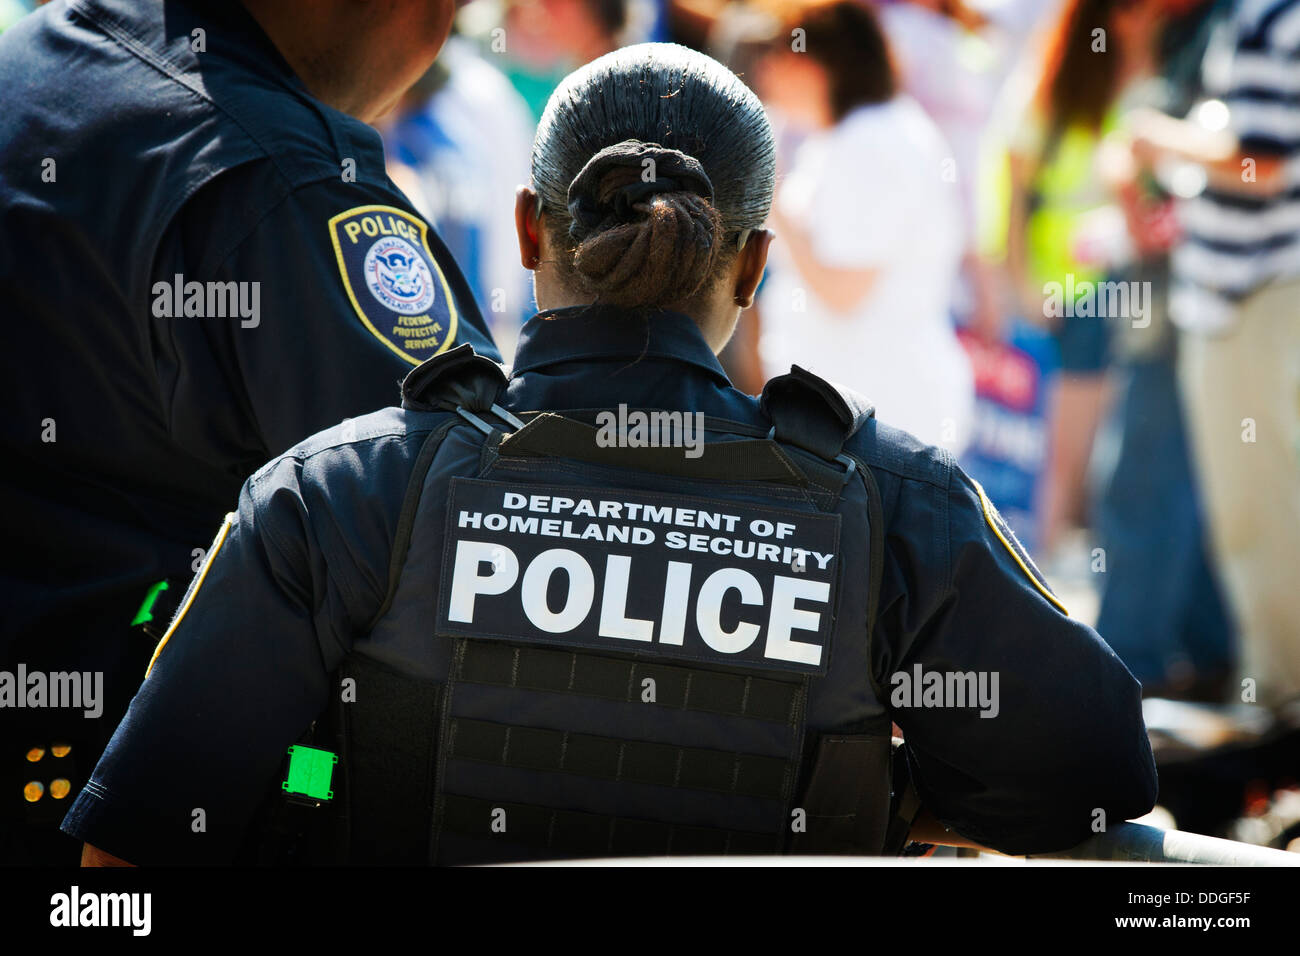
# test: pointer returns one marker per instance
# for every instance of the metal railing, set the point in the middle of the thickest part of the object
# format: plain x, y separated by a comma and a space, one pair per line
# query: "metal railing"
1138, 843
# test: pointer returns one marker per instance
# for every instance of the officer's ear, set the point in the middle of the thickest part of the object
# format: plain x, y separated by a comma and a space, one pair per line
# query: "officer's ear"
750, 265
528, 227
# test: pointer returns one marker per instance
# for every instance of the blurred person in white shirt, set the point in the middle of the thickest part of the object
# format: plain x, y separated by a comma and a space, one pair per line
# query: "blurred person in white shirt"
869, 228
457, 147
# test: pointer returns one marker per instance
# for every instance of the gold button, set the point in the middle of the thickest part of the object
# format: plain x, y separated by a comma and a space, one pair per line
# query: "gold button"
35, 754
33, 791
61, 750
59, 788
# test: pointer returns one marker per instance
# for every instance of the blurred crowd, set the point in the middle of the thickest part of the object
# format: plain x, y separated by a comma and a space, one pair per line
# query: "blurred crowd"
1003, 223
1059, 238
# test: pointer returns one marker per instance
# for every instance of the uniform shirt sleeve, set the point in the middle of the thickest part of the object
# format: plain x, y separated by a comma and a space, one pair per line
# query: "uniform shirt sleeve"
241, 673
1055, 746
343, 290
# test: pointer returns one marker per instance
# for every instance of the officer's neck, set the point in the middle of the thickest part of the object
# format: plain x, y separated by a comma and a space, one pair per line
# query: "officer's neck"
335, 58
716, 319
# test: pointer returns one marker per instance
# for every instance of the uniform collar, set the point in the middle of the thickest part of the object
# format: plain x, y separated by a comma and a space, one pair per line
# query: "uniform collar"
588, 332
165, 30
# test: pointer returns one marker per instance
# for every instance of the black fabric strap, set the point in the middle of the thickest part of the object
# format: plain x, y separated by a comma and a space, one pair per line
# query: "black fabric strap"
673, 171
390, 778
682, 688
460, 377
876, 570
627, 761
406, 518
811, 413
906, 804
847, 800
550, 435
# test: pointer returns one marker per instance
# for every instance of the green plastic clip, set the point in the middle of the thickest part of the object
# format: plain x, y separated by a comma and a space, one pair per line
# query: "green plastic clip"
310, 773
145, 614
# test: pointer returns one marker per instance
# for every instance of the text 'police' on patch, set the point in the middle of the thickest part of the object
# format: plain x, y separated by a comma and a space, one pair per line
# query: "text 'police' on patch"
705, 579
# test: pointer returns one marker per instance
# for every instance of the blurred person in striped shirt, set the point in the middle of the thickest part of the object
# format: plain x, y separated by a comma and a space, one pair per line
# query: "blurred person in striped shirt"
1235, 161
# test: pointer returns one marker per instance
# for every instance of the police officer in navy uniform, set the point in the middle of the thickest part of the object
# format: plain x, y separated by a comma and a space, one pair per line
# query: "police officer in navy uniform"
202, 262
511, 620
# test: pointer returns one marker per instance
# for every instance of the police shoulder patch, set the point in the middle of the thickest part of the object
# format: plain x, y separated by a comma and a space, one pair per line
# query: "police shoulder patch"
393, 280
1003, 532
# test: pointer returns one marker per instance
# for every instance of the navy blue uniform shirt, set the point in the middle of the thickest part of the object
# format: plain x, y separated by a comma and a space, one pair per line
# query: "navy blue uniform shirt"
200, 265
302, 568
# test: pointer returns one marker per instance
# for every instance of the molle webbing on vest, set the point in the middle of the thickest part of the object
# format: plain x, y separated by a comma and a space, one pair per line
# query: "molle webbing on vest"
649, 716
608, 758
534, 668
709, 766
841, 806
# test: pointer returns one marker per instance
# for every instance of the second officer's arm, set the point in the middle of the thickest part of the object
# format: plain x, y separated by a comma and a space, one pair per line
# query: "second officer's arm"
338, 292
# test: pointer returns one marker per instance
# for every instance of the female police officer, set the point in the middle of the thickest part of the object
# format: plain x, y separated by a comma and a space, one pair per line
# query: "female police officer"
506, 639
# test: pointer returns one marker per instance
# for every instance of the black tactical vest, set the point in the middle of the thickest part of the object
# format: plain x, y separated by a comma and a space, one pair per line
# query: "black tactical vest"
591, 650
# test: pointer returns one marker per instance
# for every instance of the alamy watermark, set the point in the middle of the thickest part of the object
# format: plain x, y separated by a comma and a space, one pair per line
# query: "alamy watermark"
642, 429
129, 910
57, 689
209, 300
1103, 300
945, 689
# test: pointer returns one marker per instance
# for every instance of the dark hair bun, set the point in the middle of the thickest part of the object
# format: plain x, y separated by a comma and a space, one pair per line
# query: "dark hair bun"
644, 223
619, 169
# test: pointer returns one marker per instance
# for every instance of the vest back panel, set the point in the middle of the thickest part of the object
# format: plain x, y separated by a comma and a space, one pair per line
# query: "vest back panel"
626, 662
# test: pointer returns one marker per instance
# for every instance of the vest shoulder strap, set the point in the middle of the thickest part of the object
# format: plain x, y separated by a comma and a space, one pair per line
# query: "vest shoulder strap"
461, 381
456, 378
816, 415
820, 417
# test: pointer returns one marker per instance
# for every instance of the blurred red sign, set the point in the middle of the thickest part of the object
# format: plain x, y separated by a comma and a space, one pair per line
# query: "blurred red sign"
1003, 373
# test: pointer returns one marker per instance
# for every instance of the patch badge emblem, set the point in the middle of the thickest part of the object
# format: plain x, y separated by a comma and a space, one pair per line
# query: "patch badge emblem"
1009, 541
393, 280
